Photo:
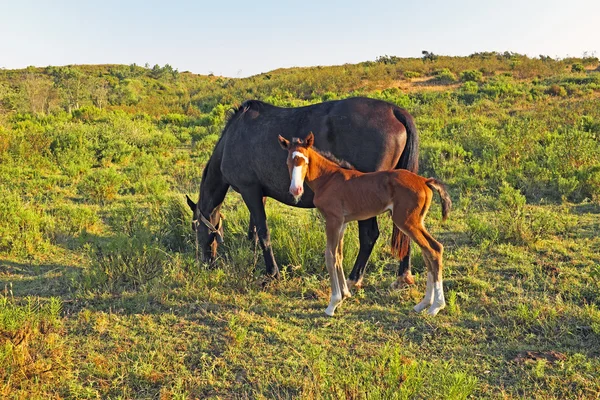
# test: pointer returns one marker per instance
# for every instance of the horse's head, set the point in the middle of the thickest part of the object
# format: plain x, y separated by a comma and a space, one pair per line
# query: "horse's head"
209, 231
297, 162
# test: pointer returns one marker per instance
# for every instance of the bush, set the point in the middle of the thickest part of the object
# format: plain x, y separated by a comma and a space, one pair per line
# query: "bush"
444, 76
471, 75
124, 263
23, 226
411, 74
556, 90
577, 67
31, 344
101, 185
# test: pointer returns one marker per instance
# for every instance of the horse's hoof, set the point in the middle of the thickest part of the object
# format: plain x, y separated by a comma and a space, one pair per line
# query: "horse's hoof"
330, 311
354, 284
403, 281
346, 295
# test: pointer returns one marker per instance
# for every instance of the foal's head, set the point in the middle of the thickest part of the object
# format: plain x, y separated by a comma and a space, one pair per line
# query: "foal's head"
297, 162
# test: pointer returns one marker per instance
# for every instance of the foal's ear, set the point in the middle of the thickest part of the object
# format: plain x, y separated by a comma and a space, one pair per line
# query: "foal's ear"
190, 203
284, 143
310, 140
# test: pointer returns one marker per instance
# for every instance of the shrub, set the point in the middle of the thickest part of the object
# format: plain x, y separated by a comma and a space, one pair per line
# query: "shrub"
30, 343
556, 90
471, 75
101, 185
577, 67
444, 76
411, 74
123, 263
23, 226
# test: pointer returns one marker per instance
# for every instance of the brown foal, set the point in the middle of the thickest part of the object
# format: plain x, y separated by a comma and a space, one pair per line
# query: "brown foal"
344, 195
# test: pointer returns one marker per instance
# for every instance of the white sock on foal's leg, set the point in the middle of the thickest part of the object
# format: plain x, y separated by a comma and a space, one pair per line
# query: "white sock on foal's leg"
336, 292
428, 299
439, 301
334, 301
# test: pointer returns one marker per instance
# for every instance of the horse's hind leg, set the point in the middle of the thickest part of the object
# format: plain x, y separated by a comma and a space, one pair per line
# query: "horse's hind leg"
254, 201
368, 232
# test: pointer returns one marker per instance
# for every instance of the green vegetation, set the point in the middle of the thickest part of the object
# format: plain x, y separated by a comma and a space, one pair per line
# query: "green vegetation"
102, 296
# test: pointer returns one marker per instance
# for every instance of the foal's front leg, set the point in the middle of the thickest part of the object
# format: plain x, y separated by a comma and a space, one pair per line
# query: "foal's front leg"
340, 265
333, 232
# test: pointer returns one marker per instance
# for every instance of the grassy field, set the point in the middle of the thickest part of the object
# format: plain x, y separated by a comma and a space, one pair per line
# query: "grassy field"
102, 296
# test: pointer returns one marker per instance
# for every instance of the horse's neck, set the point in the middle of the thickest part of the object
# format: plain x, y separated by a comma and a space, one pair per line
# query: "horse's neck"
213, 188
320, 170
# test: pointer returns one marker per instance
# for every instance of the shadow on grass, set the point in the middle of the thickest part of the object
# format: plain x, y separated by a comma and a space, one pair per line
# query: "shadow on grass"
29, 279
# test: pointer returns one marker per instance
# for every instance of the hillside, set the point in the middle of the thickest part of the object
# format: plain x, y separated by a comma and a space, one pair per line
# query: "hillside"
103, 296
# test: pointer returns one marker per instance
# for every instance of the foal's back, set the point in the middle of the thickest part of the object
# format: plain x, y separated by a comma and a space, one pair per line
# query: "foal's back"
357, 195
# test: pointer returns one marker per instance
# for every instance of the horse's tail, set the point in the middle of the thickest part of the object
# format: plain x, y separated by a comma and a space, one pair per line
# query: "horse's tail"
408, 160
441, 189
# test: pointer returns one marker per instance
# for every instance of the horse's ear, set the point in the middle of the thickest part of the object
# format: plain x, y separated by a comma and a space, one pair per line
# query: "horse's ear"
190, 203
284, 143
310, 140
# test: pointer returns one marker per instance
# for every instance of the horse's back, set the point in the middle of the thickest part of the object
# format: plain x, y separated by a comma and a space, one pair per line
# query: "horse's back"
365, 132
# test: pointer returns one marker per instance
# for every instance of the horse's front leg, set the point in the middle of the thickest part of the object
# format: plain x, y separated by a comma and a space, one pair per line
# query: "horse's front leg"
254, 201
252, 235
333, 233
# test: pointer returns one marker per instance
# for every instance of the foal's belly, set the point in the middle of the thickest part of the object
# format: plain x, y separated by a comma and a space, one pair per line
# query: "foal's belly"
365, 213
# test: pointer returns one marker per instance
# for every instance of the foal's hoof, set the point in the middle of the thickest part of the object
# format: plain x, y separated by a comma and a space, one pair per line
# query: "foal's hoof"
436, 308
403, 281
421, 306
330, 311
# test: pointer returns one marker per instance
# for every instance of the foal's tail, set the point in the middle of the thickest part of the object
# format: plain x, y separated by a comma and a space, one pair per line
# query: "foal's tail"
441, 189
408, 160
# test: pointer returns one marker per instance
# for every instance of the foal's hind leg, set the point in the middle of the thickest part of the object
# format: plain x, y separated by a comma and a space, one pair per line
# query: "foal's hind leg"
432, 255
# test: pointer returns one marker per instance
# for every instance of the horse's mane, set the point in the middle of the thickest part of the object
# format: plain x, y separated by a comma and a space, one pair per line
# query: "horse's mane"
235, 113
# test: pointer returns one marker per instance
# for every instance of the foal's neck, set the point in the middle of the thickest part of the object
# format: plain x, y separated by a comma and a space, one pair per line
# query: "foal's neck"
320, 170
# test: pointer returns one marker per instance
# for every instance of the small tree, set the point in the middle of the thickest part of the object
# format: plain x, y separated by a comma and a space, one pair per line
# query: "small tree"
37, 91
70, 83
427, 56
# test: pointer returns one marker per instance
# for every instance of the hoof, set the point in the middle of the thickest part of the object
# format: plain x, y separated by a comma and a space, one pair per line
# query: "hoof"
354, 284
403, 281
346, 295
330, 311
436, 308
421, 306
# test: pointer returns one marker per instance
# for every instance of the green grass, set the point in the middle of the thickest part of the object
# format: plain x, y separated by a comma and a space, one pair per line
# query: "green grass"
102, 296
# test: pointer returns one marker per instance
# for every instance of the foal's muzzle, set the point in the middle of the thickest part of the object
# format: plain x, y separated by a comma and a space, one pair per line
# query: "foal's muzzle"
296, 191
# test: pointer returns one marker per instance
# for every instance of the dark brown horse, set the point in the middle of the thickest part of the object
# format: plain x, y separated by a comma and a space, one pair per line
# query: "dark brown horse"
371, 134
345, 195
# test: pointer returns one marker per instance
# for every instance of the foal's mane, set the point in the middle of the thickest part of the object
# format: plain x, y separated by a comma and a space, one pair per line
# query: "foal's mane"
338, 161
342, 163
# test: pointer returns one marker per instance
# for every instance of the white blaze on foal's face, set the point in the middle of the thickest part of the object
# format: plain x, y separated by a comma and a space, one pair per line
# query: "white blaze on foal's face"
298, 170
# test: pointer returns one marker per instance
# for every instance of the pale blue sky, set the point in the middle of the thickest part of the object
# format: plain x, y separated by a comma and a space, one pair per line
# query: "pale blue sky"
242, 38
